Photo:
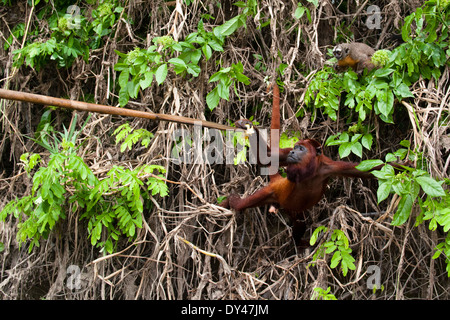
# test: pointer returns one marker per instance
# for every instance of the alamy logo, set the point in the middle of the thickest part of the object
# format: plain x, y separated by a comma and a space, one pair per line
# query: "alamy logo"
73, 17
373, 17
74, 279
211, 146
374, 280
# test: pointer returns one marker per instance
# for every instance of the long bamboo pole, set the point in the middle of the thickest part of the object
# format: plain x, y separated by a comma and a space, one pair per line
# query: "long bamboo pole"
92, 107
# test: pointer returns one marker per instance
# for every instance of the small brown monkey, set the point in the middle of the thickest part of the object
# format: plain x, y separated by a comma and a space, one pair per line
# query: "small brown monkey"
355, 55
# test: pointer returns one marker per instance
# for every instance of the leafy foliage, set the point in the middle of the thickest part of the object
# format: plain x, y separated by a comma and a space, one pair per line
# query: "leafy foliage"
422, 54
338, 245
131, 137
116, 203
118, 198
226, 77
322, 294
411, 185
72, 37
113, 206
184, 57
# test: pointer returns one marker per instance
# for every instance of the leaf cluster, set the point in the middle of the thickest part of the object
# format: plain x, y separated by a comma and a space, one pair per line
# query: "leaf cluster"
113, 206
130, 137
412, 186
138, 67
72, 36
323, 294
424, 54
338, 245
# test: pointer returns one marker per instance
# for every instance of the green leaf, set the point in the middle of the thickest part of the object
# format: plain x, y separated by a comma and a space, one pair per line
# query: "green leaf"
345, 149
430, 186
219, 76
330, 247
228, 27
443, 218
177, 62
216, 46
96, 233
438, 249
207, 51
240, 157
123, 97
383, 72
402, 91
403, 211
316, 233
131, 230
357, 149
406, 29
193, 69
386, 172
242, 78
147, 81
123, 78
161, 73
337, 257
133, 89
299, 11
366, 165
347, 262
212, 99
384, 190
391, 157
367, 141
223, 91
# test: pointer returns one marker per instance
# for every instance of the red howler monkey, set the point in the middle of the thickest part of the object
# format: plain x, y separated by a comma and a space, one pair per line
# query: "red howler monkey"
308, 171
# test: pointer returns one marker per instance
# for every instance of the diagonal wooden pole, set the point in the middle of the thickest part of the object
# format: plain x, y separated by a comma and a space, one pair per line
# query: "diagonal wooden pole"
92, 107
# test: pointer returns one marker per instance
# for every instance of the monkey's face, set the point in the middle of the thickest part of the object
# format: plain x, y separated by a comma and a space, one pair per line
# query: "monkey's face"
340, 52
297, 154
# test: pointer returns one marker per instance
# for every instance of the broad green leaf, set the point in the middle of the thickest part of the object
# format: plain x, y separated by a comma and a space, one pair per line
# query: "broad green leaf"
383, 72
228, 27
217, 76
123, 78
367, 140
357, 149
216, 46
384, 190
193, 69
299, 11
430, 186
443, 218
207, 51
403, 210
223, 91
402, 91
178, 62
147, 81
366, 165
212, 99
161, 73
345, 149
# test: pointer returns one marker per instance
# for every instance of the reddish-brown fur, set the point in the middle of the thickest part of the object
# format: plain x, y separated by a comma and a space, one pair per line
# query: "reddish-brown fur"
306, 180
348, 62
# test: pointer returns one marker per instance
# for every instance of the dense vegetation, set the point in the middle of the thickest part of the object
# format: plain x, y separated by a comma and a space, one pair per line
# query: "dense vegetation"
101, 206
